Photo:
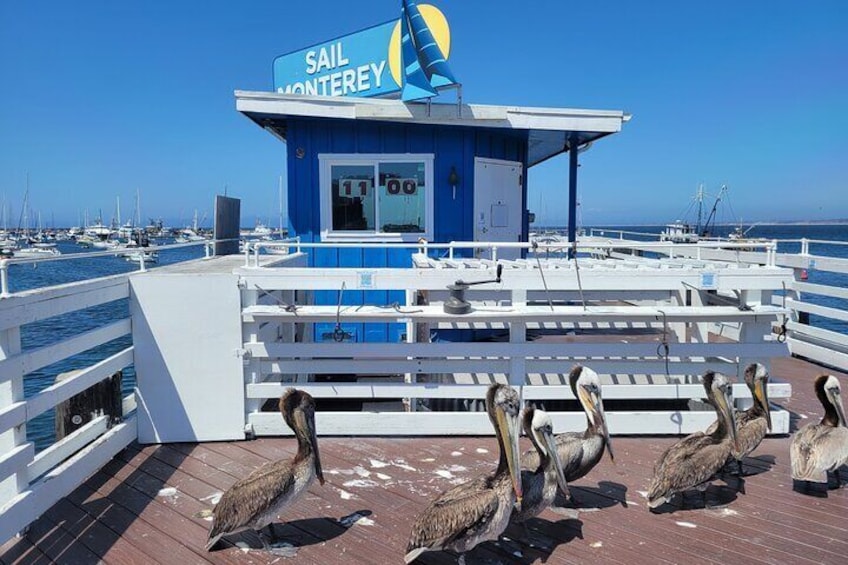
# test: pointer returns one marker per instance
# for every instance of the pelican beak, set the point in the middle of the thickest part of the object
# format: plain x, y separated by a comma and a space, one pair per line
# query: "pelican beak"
761, 394
600, 416
840, 410
550, 446
724, 403
508, 428
313, 441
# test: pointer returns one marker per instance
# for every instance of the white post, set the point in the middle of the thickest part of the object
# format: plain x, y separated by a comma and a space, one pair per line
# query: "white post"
4, 278
11, 392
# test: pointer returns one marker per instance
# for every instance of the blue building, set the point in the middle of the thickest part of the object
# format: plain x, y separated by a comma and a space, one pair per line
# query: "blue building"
365, 170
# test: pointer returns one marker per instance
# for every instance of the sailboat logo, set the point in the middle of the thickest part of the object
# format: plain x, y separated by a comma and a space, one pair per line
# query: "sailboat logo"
418, 51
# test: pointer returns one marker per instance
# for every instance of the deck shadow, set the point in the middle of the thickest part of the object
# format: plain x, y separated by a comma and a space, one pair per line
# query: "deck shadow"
64, 532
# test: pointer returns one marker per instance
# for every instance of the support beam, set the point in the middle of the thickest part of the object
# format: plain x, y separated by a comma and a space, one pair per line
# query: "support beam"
572, 192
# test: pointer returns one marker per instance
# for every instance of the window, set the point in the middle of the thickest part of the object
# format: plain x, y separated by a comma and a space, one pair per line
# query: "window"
376, 197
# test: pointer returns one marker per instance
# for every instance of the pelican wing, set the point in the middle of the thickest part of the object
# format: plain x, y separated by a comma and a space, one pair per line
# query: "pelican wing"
569, 448
686, 464
750, 431
250, 498
457, 513
816, 449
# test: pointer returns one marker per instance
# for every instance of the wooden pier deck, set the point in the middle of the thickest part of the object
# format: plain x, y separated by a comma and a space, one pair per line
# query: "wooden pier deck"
151, 504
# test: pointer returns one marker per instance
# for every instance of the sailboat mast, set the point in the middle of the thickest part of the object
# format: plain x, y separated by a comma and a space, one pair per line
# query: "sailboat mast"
280, 219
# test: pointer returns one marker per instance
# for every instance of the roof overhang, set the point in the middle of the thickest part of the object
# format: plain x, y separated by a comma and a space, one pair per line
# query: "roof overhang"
547, 129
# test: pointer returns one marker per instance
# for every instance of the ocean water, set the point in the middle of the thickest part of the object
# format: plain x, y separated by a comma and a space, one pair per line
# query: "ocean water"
46, 332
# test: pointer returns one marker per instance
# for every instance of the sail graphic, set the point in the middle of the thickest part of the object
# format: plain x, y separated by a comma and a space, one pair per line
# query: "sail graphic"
425, 67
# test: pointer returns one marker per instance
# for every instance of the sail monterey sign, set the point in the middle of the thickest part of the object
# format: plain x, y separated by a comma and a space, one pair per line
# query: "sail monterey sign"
408, 55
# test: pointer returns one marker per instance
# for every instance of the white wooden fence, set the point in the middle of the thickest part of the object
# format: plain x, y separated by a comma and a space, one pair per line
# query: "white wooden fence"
31, 483
678, 299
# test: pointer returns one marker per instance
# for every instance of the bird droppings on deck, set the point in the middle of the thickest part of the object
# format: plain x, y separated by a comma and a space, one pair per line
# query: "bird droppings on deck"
383, 476
355, 519
167, 492
724, 512
375, 464
444, 473
362, 471
339, 471
344, 494
428, 460
686, 524
481, 450
633, 502
457, 469
213, 498
361, 483
642, 493
456, 453
205, 514
401, 463
596, 544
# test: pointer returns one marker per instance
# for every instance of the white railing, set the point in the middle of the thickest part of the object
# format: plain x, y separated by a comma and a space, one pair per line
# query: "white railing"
818, 344
31, 482
409, 379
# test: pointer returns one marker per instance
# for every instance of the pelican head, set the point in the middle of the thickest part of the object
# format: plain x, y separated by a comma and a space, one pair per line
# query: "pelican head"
540, 430
298, 409
502, 404
586, 386
719, 392
828, 391
757, 377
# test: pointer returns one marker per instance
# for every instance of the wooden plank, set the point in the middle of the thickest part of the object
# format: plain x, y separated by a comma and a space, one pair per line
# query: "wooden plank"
51, 396
33, 305
61, 450
547, 366
375, 390
570, 350
503, 314
821, 289
16, 460
12, 416
20, 550
38, 358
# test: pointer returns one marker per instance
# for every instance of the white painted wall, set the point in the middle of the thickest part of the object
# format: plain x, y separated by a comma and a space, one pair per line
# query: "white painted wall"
186, 332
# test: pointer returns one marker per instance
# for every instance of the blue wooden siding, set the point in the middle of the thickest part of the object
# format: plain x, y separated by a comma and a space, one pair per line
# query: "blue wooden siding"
453, 221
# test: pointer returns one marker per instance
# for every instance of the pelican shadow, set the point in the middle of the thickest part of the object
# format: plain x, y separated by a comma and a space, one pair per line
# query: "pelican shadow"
294, 534
544, 538
715, 496
606, 495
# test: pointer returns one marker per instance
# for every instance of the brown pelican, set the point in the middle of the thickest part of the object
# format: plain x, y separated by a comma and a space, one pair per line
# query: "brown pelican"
580, 452
691, 462
478, 510
752, 424
539, 486
821, 448
255, 501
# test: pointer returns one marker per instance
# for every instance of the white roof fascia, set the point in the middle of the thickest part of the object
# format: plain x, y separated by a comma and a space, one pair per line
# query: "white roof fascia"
473, 115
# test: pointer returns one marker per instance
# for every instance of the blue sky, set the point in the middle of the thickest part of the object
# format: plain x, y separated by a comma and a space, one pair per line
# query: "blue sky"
100, 99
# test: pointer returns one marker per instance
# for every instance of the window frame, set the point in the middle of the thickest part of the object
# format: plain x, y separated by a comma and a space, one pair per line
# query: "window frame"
327, 160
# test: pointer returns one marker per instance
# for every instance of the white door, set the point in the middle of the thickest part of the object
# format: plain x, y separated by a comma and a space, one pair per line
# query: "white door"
497, 203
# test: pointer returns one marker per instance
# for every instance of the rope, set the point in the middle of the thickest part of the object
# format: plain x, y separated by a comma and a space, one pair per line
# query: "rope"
288, 307
663, 347
338, 333
542, 274
781, 334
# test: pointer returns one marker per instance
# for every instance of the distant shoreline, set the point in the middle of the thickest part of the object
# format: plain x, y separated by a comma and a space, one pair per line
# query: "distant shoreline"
733, 225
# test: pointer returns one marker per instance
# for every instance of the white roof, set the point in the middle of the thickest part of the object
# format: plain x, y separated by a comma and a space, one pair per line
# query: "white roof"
547, 128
